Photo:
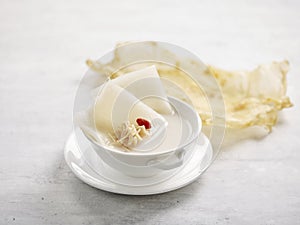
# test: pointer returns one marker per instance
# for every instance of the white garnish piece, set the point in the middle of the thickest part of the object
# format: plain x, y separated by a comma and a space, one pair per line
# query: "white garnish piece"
129, 135
146, 84
114, 105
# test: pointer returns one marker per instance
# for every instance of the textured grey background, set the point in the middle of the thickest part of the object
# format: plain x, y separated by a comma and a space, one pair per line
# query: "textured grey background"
43, 47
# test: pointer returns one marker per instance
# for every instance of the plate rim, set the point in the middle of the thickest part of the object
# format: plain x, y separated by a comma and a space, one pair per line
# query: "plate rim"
134, 189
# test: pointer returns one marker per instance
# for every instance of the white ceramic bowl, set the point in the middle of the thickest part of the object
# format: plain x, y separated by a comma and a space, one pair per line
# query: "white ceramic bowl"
144, 164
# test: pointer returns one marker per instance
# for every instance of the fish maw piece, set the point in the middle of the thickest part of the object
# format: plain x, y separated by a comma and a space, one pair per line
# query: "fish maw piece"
145, 84
251, 98
254, 97
114, 106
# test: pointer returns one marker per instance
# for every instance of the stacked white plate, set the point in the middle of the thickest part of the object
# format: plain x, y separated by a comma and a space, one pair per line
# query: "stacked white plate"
88, 167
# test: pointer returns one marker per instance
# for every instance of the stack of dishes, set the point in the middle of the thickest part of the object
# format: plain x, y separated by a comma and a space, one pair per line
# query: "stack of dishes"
130, 137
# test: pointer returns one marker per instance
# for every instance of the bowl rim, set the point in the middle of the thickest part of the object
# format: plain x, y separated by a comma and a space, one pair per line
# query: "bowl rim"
133, 153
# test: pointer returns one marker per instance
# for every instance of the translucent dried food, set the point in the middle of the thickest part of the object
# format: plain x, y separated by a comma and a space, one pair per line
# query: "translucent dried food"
251, 98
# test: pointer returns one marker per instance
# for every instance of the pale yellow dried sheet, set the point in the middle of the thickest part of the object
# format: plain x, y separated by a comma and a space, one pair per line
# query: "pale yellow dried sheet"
254, 97
251, 98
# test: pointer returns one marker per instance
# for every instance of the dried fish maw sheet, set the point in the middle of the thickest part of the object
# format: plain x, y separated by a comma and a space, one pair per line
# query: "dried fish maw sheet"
254, 97
251, 98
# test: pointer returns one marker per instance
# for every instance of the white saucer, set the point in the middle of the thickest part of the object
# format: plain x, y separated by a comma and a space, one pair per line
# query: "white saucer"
89, 168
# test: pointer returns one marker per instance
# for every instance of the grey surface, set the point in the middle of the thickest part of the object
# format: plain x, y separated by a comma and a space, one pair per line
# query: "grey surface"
43, 46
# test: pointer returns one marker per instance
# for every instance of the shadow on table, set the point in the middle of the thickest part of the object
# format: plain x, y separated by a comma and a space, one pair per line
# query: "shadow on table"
127, 209
69, 200
88, 205
238, 136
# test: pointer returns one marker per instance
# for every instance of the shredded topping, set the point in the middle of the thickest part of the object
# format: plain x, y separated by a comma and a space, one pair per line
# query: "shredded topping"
129, 135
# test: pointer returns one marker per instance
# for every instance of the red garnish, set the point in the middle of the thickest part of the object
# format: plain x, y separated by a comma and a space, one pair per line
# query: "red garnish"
143, 122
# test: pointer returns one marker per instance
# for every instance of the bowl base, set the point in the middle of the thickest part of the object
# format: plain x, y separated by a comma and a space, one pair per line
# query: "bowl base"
89, 168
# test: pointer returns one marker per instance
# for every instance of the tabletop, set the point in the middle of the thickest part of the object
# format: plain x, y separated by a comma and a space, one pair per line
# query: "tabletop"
43, 48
